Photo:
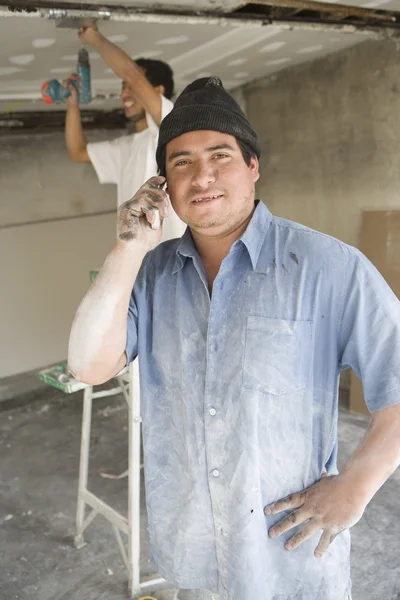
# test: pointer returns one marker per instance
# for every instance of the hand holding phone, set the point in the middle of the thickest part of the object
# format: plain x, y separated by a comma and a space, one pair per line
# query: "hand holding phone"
147, 208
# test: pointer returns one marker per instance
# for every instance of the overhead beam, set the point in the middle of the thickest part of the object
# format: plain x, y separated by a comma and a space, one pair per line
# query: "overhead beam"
326, 7
313, 17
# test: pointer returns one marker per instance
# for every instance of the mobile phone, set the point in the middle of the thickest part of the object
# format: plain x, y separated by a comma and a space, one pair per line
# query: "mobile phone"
157, 221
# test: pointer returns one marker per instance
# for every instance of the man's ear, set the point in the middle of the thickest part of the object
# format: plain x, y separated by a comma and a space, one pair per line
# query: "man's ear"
254, 167
161, 89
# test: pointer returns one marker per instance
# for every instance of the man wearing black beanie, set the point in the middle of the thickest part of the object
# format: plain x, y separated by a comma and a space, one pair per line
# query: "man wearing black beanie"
242, 327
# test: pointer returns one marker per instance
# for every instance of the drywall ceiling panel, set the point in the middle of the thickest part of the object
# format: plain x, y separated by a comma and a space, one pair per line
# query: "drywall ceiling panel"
282, 50
33, 50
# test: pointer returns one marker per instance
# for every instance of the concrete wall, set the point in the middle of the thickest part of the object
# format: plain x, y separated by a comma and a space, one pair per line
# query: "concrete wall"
48, 243
38, 181
330, 133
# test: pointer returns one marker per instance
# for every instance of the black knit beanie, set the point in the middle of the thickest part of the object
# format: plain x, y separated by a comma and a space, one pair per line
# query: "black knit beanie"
205, 105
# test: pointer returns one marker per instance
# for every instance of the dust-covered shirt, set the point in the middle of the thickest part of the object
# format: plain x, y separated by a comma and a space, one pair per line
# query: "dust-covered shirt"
240, 400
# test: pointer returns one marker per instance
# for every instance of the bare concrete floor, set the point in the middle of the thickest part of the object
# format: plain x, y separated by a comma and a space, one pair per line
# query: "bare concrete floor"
39, 446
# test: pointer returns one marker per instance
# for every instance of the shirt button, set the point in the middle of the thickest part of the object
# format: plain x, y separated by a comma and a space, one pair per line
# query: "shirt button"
213, 412
215, 473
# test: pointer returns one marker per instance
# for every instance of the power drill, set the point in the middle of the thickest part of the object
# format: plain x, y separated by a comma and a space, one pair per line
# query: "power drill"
54, 93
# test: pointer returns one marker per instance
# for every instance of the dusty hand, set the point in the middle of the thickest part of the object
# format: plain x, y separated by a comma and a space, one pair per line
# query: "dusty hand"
86, 33
141, 217
330, 505
73, 99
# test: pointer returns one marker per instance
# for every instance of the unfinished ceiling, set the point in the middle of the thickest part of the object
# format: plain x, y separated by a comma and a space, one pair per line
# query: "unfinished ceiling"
35, 49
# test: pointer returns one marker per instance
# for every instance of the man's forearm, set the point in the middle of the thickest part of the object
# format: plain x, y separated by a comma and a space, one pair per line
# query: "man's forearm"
98, 334
74, 137
114, 57
377, 456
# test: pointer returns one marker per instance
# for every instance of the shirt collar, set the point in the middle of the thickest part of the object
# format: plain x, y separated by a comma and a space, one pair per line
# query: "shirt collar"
254, 236
253, 239
185, 249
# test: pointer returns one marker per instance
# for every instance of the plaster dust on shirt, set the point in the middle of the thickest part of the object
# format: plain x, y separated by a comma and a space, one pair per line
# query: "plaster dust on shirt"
239, 400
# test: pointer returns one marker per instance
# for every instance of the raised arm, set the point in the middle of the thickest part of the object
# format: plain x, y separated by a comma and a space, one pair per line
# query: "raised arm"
98, 334
126, 68
74, 137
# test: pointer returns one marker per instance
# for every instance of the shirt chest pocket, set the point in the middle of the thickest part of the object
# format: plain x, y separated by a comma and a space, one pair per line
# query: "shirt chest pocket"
277, 355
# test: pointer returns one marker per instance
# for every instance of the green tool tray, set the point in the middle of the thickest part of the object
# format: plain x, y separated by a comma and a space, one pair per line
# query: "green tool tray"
58, 377
93, 274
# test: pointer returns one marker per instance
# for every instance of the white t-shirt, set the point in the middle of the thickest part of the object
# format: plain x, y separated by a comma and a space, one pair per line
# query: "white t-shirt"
129, 161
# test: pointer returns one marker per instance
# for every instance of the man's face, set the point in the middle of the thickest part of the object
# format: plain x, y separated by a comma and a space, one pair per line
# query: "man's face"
133, 109
210, 186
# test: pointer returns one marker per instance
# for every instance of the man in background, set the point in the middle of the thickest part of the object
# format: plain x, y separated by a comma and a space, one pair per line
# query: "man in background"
129, 160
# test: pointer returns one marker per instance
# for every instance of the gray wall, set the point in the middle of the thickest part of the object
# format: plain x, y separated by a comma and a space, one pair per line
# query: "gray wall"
330, 133
48, 243
39, 182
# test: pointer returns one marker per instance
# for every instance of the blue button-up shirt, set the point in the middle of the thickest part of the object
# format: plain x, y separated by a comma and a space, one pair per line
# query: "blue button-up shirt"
240, 399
